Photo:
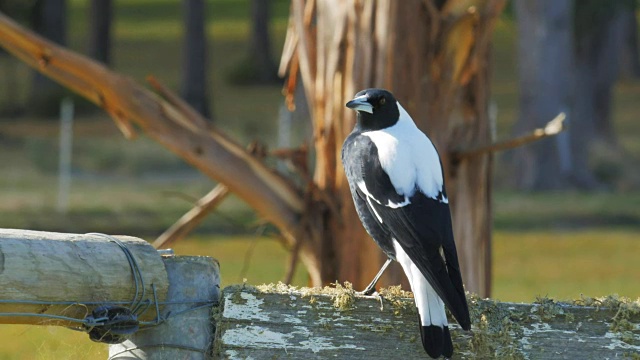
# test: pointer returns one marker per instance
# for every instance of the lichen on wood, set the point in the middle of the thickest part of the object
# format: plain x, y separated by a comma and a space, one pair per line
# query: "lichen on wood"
280, 321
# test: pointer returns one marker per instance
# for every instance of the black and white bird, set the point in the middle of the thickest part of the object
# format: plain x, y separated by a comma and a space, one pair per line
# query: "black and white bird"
397, 183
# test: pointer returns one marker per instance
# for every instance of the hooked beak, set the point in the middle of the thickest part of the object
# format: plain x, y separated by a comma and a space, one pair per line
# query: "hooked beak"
360, 104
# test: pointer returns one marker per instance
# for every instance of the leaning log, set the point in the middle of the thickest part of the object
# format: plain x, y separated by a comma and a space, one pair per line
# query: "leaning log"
49, 278
276, 321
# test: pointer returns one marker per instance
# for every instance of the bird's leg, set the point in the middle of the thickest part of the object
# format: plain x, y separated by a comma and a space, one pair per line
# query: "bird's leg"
371, 288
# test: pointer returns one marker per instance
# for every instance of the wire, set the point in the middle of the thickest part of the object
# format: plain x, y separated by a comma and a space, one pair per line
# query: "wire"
138, 305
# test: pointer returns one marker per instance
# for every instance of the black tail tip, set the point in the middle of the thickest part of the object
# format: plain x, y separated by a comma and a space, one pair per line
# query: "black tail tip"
436, 341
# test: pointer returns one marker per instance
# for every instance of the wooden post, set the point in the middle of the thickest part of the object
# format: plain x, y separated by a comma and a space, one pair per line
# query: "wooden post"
188, 332
276, 321
44, 275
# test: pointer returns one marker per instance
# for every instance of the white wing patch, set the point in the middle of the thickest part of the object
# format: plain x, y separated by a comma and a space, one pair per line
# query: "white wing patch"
363, 187
409, 158
399, 205
374, 209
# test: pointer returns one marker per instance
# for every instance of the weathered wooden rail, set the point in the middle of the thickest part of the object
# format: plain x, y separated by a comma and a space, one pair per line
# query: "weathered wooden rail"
113, 287
61, 279
269, 322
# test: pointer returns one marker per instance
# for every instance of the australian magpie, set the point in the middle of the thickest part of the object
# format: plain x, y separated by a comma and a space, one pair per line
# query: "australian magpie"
397, 184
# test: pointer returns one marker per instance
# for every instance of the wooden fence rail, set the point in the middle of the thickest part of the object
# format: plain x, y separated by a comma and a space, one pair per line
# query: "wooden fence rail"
112, 287
270, 322
60, 279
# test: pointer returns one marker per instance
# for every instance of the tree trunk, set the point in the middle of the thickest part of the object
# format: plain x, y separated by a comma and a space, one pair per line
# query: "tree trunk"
194, 69
545, 61
260, 43
569, 58
436, 61
49, 20
627, 23
597, 54
101, 16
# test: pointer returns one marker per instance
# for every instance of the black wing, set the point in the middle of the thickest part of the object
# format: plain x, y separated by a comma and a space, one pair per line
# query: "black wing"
423, 228
355, 150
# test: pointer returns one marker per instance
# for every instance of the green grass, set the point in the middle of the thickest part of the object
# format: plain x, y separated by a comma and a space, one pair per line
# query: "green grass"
254, 258
565, 265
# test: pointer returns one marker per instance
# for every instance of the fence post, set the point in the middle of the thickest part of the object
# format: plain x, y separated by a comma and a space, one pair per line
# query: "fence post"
194, 284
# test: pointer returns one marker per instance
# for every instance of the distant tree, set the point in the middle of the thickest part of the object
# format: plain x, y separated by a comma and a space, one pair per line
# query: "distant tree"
598, 45
50, 20
19, 10
12, 104
194, 69
258, 67
545, 61
260, 43
627, 25
570, 55
100, 19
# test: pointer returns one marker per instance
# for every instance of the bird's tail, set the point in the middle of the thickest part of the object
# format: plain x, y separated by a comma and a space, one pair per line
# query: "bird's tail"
434, 329
436, 340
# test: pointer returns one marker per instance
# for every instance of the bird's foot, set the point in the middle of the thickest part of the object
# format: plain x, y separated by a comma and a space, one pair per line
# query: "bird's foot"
370, 290
372, 294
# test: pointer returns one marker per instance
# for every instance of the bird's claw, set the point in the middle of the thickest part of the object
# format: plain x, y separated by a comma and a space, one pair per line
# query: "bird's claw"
372, 294
367, 292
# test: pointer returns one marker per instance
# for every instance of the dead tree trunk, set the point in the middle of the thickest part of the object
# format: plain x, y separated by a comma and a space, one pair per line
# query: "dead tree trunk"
435, 58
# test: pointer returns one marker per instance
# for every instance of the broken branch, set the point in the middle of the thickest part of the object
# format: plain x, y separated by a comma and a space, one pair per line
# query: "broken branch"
192, 218
552, 128
213, 154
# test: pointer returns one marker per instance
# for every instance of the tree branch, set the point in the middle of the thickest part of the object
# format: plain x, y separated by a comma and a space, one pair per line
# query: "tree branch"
192, 218
129, 103
553, 127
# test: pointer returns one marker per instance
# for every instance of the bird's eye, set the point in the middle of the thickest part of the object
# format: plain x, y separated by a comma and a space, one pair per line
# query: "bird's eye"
382, 101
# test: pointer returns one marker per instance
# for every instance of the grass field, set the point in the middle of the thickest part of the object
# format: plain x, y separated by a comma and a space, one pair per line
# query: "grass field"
545, 244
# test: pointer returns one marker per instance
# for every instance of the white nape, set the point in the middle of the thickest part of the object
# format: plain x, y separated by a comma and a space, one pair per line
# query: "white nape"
408, 156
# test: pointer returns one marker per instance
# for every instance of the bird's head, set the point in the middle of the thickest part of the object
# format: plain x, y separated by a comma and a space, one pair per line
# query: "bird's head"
376, 108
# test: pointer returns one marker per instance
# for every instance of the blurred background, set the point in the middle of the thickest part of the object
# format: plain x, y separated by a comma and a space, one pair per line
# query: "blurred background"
557, 238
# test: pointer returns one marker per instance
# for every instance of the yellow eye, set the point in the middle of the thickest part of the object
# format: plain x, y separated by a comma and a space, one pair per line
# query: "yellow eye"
382, 101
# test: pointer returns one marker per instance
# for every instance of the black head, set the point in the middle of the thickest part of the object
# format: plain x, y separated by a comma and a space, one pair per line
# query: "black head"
377, 109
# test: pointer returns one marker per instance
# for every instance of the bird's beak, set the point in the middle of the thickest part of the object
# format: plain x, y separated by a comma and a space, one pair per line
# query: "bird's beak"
360, 104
